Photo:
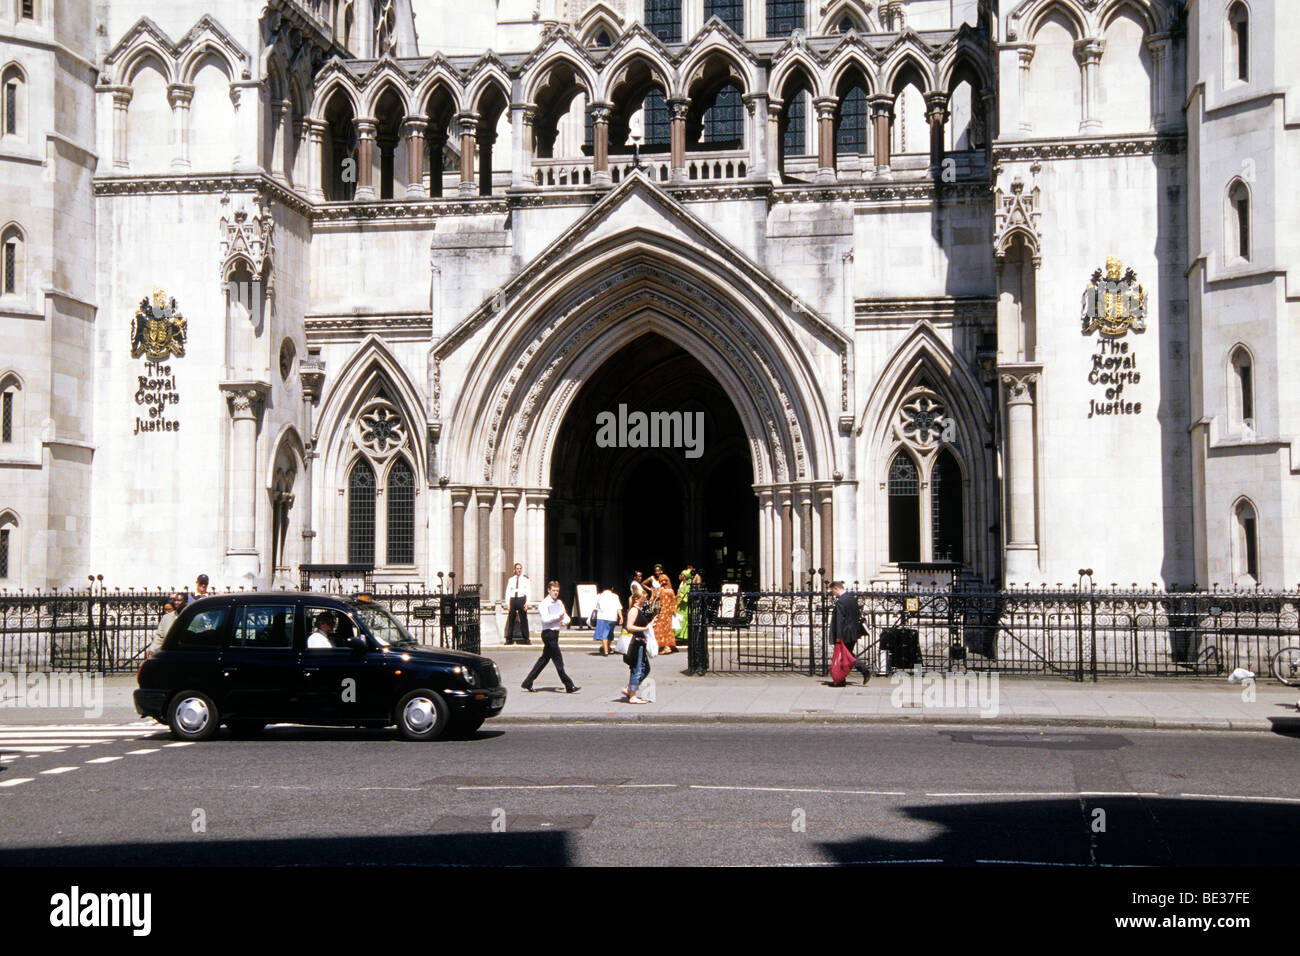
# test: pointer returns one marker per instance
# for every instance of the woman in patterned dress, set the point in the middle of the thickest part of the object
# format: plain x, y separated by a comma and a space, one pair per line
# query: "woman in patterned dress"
663, 625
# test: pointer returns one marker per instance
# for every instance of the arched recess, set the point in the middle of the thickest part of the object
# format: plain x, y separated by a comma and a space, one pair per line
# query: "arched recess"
638, 81
561, 88
149, 139
211, 115
488, 98
1245, 546
926, 403
373, 412
13, 102
1053, 93
908, 79
1126, 73
284, 477
12, 412
716, 80
11, 550
439, 103
1016, 259
1239, 373
13, 261
847, 16
1238, 242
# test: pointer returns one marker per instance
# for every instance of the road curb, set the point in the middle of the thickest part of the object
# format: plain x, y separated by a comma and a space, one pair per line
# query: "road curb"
1018, 720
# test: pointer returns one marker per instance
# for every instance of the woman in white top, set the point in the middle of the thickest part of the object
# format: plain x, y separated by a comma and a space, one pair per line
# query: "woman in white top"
640, 661
609, 614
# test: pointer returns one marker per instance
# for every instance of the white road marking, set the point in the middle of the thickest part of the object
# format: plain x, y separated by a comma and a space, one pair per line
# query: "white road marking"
413, 789
60, 770
1047, 793
180, 743
864, 793
547, 786
16, 781
103, 760
146, 750
1231, 796
1116, 866
647, 786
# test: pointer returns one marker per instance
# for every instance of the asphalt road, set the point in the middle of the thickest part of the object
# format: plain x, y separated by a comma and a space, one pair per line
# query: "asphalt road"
772, 794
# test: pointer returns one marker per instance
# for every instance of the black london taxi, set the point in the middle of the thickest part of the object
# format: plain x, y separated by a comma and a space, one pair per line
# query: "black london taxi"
251, 659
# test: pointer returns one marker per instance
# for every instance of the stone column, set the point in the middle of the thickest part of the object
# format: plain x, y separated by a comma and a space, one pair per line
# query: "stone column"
245, 401
1088, 53
414, 130
1158, 46
536, 563
437, 141
600, 113
311, 375
774, 144
1026, 56
882, 117
936, 111
765, 574
468, 132
484, 497
366, 127
121, 101
302, 133
756, 107
807, 561
521, 145
282, 116
677, 140
1021, 538
180, 96
316, 158
459, 501
509, 503
826, 503
785, 501
825, 110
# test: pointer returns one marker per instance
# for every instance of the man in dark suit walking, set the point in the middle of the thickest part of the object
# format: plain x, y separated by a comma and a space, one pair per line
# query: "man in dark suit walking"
846, 625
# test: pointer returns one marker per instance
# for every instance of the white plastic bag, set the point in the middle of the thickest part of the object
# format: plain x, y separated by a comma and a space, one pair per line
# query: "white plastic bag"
646, 689
622, 643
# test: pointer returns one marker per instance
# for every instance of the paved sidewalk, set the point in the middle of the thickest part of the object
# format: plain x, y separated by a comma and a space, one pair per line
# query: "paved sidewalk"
1169, 703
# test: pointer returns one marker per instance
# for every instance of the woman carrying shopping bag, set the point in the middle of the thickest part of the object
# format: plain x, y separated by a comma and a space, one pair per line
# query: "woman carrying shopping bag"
641, 647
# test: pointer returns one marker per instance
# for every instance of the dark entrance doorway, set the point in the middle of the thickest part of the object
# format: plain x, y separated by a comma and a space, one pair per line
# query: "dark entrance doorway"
616, 509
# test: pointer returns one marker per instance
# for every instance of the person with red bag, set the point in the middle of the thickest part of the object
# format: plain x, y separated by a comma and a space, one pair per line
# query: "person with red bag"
846, 627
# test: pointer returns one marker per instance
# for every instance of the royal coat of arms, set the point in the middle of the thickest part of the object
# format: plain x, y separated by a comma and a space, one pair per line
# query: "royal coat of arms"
1114, 305
158, 330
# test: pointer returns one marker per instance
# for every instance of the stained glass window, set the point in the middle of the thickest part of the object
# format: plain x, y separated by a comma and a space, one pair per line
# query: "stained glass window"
730, 12
658, 121
361, 514
793, 142
663, 18
851, 137
784, 16
401, 514
723, 124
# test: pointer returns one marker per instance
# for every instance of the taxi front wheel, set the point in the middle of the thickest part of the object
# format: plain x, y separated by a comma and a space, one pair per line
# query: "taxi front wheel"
422, 715
193, 716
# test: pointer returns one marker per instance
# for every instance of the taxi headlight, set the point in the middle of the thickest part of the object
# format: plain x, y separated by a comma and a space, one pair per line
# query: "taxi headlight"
467, 674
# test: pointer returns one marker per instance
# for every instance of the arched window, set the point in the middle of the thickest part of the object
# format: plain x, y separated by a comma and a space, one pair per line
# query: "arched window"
401, 513
663, 18
1238, 222
12, 264
1246, 550
1238, 42
730, 12
361, 513
1242, 399
602, 39
12, 104
723, 126
946, 508
851, 118
904, 509
784, 17
658, 123
349, 21
10, 411
8, 548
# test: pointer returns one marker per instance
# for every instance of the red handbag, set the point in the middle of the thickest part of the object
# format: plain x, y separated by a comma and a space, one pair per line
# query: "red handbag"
841, 663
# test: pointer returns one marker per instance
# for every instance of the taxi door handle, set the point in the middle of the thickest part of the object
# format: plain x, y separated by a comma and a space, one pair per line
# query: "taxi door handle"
308, 671
227, 671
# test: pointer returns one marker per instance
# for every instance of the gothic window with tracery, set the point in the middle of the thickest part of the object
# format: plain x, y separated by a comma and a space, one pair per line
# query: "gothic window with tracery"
385, 29
361, 513
381, 433
401, 513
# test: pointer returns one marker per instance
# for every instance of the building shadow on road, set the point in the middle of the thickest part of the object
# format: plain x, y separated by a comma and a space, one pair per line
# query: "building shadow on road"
1088, 831
408, 849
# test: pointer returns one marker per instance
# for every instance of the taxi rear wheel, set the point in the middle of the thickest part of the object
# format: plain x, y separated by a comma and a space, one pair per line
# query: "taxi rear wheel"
193, 716
422, 715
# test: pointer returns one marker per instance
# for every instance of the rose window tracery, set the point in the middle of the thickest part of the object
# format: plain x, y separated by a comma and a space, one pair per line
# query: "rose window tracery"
922, 420
379, 428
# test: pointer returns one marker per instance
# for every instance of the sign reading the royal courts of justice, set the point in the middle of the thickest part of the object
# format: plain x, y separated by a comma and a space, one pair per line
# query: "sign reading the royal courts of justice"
1113, 305
157, 335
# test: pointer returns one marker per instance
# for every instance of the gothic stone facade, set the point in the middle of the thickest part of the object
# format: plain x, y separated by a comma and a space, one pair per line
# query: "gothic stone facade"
1000, 284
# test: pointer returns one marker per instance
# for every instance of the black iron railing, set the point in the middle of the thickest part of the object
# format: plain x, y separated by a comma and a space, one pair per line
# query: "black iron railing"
1075, 633
106, 630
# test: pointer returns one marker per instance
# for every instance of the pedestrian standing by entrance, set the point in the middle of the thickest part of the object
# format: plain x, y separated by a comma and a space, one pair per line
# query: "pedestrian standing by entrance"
517, 597
553, 618
846, 626
663, 624
171, 610
609, 614
637, 657
201, 586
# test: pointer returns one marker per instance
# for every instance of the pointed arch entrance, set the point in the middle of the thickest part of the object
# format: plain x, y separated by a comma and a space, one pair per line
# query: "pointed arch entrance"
619, 504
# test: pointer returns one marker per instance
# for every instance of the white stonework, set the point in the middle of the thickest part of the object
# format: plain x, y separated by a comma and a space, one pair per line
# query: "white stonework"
406, 236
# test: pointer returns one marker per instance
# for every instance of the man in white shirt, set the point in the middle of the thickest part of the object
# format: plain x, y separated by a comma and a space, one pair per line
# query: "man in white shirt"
320, 638
553, 618
517, 598
609, 614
